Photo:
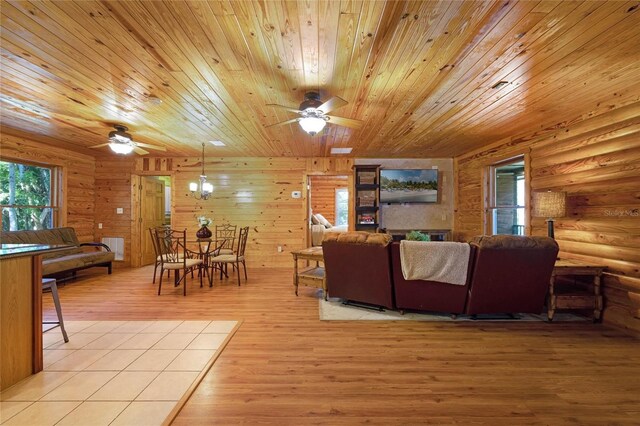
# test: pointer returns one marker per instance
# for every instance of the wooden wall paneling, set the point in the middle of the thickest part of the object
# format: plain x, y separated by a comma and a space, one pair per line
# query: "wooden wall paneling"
254, 192
78, 185
114, 189
596, 161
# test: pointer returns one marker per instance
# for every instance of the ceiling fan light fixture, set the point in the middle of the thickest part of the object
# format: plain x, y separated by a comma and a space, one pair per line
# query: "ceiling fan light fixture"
312, 125
121, 148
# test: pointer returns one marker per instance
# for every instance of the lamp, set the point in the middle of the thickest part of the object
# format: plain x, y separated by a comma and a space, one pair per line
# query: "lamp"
312, 124
205, 187
121, 148
120, 141
549, 204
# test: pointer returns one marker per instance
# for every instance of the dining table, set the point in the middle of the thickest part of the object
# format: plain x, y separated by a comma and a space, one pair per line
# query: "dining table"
207, 249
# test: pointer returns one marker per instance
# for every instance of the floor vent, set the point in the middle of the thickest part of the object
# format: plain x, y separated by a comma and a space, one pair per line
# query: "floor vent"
116, 244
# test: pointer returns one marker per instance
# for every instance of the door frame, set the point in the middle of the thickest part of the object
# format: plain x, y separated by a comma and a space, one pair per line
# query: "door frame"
306, 198
136, 217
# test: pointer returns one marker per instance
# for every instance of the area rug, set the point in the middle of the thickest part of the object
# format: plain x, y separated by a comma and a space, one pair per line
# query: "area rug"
335, 310
117, 372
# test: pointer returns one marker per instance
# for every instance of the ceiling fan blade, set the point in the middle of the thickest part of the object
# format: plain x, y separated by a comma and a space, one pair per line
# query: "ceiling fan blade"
146, 145
140, 151
347, 122
333, 103
297, 111
293, 120
99, 146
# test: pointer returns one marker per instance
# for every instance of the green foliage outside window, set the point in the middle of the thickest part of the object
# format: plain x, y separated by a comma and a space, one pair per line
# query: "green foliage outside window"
25, 196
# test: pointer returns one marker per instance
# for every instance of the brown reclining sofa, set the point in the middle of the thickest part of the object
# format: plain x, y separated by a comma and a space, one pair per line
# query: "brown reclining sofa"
506, 274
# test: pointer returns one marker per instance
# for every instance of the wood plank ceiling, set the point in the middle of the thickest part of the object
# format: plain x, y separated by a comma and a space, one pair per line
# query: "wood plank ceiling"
419, 74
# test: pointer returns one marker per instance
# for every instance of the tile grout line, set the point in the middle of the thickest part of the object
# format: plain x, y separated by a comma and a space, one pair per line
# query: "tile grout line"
190, 388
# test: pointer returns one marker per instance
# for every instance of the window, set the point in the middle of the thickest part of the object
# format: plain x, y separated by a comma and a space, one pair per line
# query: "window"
342, 206
507, 198
27, 196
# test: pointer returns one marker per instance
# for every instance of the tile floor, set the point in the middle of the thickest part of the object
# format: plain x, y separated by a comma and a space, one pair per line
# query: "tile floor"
114, 372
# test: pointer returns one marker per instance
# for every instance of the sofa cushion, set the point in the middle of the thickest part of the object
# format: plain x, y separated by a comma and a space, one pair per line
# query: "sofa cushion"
356, 237
55, 236
322, 221
76, 261
42, 236
509, 242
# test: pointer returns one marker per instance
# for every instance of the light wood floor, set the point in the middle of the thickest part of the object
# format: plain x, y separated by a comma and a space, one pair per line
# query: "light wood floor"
284, 366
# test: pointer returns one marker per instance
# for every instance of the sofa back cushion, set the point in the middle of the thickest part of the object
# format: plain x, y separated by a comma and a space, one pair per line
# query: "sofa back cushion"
358, 267
428, 295
55, 236
511, 274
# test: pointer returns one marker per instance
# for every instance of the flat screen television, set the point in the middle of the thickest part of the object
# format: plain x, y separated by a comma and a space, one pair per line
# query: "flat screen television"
408, 186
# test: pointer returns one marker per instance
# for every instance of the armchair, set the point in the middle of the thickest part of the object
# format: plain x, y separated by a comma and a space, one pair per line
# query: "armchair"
510, 274
358, 267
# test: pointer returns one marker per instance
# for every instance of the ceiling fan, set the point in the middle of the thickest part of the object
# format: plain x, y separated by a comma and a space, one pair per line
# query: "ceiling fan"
121, 142
313, 114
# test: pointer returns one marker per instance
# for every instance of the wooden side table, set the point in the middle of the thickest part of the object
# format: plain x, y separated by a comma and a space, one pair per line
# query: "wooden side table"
575, 300
312, 276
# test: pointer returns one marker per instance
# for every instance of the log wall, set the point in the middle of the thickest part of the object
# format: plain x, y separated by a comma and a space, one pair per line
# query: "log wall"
78, 185
597, 162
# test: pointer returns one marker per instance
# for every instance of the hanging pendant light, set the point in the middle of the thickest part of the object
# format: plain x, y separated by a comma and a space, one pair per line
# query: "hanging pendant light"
203, 189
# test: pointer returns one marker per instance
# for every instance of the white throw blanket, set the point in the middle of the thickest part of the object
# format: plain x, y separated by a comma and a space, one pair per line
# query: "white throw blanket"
444, 262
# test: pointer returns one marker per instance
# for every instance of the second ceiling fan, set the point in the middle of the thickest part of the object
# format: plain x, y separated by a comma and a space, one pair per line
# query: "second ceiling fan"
313, 114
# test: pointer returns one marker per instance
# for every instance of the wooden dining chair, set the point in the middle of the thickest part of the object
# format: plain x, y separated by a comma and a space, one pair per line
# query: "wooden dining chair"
174, 256
220, 261
226, 234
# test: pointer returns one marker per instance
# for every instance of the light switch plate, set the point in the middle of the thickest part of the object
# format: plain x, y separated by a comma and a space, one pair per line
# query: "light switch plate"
119, 210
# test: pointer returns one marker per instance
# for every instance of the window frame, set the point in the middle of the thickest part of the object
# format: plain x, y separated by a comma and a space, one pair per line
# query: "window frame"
55, 191
346, 205
490, 204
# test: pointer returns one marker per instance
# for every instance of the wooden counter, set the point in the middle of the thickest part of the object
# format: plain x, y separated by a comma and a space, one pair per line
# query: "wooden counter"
21, 311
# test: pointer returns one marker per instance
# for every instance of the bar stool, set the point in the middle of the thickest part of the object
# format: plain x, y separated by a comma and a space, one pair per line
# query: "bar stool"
50, 283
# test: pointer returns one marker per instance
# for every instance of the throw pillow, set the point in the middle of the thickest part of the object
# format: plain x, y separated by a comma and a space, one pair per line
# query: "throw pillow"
314, 219
323, 221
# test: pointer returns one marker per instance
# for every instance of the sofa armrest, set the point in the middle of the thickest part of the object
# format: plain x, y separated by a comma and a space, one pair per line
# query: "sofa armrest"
317, 234
96, 245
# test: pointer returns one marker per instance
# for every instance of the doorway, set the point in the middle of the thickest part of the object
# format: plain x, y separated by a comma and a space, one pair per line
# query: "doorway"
328, 196
155, 211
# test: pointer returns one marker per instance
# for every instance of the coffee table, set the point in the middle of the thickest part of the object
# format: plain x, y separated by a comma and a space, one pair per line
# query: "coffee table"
312, 276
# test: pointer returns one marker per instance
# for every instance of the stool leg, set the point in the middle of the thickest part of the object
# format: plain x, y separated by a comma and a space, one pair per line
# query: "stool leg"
56, 302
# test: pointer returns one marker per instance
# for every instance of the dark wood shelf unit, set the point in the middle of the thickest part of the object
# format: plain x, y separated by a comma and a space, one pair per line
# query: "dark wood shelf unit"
367, 197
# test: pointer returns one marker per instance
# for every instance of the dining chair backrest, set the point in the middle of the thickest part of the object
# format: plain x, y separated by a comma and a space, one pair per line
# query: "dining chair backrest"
152, 233
226, 233
242, 240
154, 239
172, 245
